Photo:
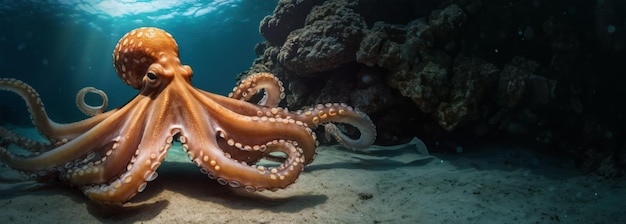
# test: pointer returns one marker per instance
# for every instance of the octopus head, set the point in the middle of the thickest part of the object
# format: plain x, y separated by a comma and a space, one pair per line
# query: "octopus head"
147, 54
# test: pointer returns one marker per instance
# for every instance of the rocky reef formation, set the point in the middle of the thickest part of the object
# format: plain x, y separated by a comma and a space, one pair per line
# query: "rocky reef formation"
461, 72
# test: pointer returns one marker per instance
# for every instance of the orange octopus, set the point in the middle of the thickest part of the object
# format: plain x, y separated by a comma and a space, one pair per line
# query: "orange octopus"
112, 155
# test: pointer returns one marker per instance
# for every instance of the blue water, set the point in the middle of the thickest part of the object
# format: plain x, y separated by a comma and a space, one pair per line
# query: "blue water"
61, 46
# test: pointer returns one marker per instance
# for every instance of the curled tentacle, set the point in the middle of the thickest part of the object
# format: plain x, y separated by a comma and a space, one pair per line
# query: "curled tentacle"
323, 114
229, 171
35, 106
274, 90
267, 129
264, 128
249, 154
55, 132
88, 109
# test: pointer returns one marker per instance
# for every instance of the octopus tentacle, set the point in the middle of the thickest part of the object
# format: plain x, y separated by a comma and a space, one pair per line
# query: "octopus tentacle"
244, 153
70, 151
90, 169
88, 109
321, 114
139, 166
25, 143
248, 109
290, 137
115, 156
266, 129
341, 113
277, 128
140, 170
49, 129
238, 127
229, 171
274, 90
238, 106
52, 160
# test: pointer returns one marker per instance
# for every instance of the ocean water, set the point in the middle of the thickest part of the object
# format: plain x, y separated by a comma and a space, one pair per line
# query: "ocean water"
59, 47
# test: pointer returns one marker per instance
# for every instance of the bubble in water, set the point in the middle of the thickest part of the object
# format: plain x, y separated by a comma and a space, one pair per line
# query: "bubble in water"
610, 29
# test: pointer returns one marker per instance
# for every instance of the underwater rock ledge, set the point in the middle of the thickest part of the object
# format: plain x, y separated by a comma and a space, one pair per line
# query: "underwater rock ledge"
461, 72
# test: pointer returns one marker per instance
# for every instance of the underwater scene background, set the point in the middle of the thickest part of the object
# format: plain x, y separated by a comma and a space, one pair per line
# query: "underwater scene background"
485, 111
69, 43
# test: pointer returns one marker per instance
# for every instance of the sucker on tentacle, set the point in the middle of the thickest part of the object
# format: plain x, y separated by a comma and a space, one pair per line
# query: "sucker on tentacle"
321, 114
274, 90
30, 145
114, 156
324, 114
229, 171
140, 170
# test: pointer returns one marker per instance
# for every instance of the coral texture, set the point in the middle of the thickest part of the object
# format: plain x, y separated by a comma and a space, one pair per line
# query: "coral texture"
329, 38
452, 72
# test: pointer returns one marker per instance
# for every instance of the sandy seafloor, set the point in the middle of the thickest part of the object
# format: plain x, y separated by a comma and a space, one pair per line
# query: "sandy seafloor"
380, 185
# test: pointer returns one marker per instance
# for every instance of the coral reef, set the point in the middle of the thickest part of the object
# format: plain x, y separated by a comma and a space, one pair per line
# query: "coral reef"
329, 38
462, 71
289, 15
470, 80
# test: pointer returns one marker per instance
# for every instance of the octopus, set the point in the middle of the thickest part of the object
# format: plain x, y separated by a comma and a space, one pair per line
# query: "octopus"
112, 155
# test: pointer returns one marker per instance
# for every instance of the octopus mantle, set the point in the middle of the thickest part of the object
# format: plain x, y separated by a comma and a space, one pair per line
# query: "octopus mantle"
112, 155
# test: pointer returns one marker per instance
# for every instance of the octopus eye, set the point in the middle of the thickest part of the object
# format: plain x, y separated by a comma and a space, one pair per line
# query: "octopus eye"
151, 76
